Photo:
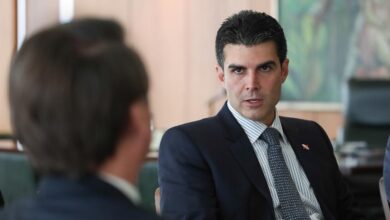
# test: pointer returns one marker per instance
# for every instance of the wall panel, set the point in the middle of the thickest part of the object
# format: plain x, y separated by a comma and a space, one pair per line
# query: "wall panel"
7, 45
41, 14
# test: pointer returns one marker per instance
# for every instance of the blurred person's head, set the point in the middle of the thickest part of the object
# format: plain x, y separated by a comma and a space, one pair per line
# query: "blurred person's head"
78, 98
96, 29
252, 64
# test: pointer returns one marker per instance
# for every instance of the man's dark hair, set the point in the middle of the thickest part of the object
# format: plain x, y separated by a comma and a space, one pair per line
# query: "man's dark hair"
250, 28
70, 96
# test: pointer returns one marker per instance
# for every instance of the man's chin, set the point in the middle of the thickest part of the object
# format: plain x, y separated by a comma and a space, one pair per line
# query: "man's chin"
255, 116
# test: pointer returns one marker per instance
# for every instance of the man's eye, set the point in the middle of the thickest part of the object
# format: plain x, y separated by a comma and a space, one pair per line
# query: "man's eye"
265, 68
238, 70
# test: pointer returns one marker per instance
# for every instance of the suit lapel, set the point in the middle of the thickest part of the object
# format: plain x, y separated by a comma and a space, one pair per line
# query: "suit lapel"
306, 157
243, 152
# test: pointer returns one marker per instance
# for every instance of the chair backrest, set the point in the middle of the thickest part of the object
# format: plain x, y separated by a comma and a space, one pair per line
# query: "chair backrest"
384, 200
367, 111
1, 200
147, 183
16, 176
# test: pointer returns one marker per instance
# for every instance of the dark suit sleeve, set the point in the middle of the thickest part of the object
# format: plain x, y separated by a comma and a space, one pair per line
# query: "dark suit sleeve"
344, 199
186, 184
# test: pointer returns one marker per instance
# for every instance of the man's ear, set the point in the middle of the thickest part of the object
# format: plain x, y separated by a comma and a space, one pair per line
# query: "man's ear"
139, 119
285, 69
133, 145
220, 74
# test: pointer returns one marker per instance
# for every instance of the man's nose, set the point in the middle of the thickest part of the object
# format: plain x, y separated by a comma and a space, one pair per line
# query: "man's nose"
252, 81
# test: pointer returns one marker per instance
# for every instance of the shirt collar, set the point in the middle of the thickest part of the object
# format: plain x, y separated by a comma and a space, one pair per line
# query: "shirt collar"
254, 129
128, 189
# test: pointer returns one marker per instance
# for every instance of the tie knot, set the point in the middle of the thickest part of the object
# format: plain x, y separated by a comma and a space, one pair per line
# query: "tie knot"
270, 136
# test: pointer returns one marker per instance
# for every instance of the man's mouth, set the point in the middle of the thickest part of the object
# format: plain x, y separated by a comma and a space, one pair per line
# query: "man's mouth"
256, 102
253, 100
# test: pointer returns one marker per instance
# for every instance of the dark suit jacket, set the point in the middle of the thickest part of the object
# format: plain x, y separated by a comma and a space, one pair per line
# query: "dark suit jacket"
90, 198
209, 170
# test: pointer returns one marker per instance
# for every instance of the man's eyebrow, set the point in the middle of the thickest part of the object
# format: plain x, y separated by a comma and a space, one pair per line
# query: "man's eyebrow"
267, 63
235, 66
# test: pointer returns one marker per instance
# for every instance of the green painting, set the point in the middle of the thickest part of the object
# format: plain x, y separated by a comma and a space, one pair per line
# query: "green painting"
330, 41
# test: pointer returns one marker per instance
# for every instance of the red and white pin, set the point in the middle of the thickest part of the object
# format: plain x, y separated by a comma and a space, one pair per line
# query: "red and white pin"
306, 146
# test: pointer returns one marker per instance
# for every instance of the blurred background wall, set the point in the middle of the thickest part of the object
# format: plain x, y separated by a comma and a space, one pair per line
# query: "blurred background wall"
175, 39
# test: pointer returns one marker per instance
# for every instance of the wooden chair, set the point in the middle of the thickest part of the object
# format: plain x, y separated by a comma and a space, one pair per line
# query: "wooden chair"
17, 178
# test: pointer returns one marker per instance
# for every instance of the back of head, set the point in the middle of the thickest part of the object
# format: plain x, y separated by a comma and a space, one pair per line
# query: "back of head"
250, 28
95, 29
70, 89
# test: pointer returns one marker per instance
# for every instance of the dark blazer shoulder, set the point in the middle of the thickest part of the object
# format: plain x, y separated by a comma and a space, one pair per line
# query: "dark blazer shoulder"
198, 129
298, 122
198, 125
222, 125
298, 126
89, 198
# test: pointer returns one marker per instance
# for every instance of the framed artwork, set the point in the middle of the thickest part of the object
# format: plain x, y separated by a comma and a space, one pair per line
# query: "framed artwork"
331, 41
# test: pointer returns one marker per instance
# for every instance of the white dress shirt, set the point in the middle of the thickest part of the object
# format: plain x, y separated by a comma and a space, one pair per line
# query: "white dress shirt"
128, 189
253, 130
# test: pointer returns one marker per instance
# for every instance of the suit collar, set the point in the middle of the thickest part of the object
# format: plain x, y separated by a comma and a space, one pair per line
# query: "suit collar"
243, 152
307, 159
298, 139
254, 129
233, 130
127, 188
89, 185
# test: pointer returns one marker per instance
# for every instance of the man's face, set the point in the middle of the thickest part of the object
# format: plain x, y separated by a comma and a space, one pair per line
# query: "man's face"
252, 77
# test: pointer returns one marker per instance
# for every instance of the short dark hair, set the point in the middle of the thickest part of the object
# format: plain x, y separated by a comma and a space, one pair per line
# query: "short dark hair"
70, 96
250, 28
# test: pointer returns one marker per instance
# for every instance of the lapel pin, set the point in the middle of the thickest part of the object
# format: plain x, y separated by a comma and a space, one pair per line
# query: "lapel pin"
306, 146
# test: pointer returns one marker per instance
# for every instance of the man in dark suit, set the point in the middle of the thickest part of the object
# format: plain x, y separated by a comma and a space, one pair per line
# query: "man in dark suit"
79, 107
226, 167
